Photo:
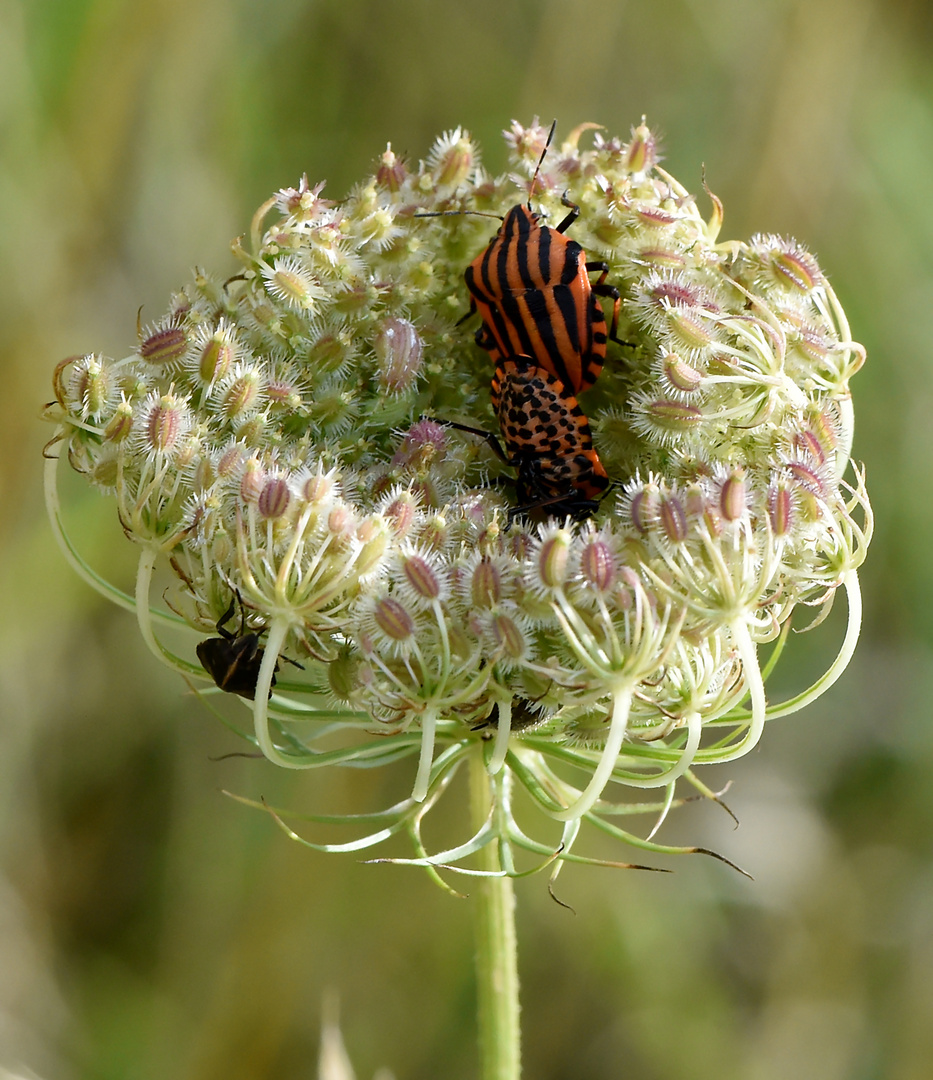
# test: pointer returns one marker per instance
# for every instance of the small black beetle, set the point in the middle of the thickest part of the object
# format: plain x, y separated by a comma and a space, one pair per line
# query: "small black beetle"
233, 660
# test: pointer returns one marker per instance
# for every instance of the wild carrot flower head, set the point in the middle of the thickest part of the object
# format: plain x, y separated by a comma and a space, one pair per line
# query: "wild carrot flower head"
285, 439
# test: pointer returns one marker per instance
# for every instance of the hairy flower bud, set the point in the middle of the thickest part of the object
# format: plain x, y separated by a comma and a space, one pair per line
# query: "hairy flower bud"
164, 423
420, 577
680, 375
781, 508
552, 558
732, 496
641, 153
507, 638
121, 423
392, 171
398, 350
252, 481
597, 565
485, 584
273, 498
452, 158
165, 345
672, 519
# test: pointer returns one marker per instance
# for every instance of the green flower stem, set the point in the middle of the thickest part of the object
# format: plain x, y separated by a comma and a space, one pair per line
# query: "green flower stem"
496, 951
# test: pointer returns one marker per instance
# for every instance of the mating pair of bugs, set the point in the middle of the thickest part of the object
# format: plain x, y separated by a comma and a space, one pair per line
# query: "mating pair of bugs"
545, 330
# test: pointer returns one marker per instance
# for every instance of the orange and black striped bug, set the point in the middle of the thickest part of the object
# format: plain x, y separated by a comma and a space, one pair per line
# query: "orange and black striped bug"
547, 440
233, 660
532, 289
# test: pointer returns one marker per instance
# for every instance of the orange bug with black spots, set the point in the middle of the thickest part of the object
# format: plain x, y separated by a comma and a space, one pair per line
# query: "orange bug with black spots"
547, 440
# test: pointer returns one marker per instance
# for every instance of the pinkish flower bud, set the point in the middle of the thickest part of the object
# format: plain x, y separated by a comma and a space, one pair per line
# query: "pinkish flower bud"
284, 393
597, 565
641, 154
251, 482
672, 519
400, 513
781, 510
398, 349
653, 215
507, 637
392, 619
643, 508
732, 504
164, 346
813, 343
675, 291
392, 171
807, 477
340, 520
797, 268
420, 577
662, 258
818, 439
165, 425
229, 462
426, 439
318, 487
674, 413
273, 498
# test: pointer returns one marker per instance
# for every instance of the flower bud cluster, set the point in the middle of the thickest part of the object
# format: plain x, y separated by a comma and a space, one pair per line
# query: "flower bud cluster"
275, 434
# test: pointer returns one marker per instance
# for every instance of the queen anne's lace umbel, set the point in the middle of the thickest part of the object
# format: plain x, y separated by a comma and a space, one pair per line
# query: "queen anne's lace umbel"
273, 435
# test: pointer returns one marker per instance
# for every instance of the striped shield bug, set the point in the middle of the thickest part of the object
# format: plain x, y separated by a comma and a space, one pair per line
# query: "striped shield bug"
532, 289
547, 440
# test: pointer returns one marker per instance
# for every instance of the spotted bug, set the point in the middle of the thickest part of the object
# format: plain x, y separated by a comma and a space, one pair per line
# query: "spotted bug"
233, 660
547, 437
547, 440
532, 289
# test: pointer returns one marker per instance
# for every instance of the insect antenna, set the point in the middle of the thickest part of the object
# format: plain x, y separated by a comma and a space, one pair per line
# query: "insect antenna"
547, 145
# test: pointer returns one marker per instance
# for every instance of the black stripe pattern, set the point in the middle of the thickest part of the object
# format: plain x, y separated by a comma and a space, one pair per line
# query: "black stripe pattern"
533, 293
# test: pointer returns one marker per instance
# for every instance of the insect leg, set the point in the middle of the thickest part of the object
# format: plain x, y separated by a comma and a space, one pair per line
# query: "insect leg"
602, 288
571, 217
487, 436
226, 617
472, 311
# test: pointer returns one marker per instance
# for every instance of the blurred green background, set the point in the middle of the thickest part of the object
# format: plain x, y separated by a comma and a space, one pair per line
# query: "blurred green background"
150, 927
